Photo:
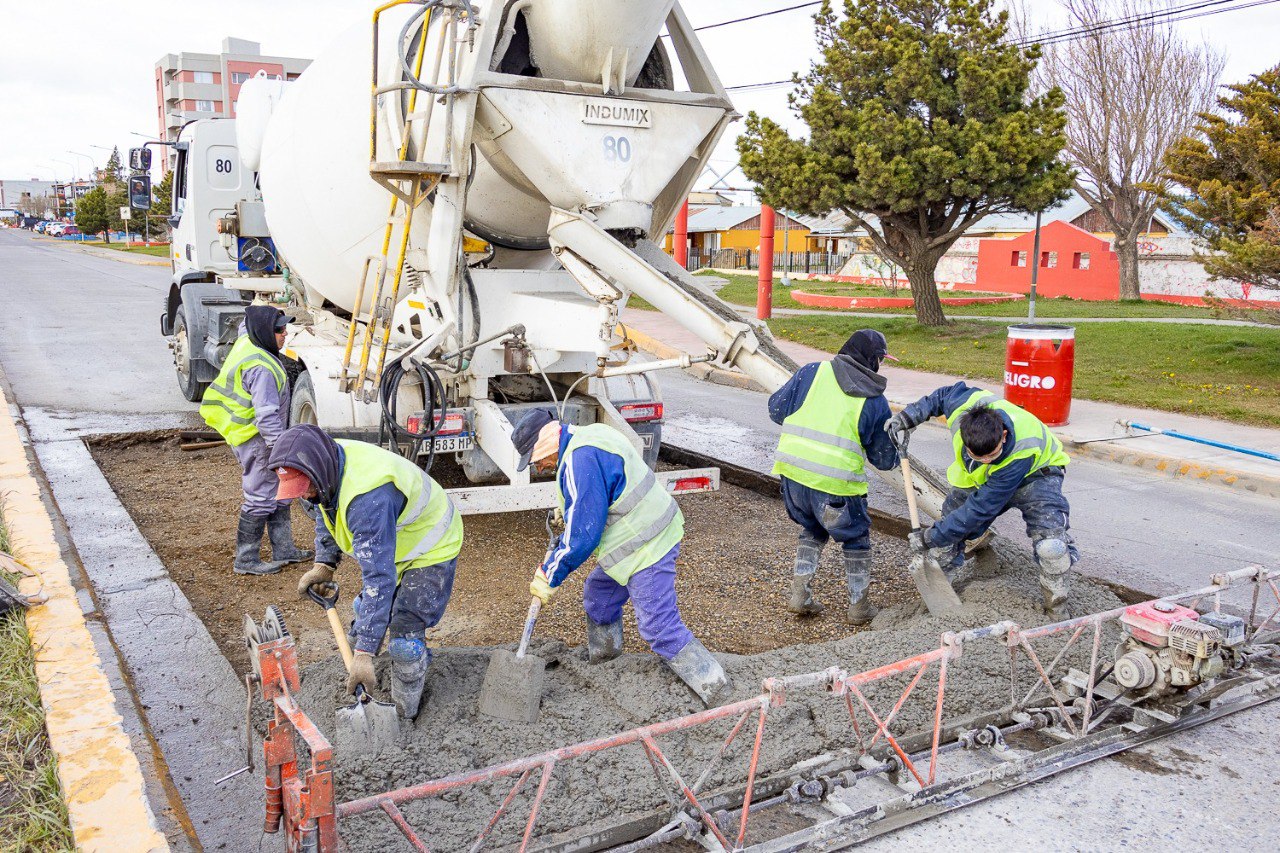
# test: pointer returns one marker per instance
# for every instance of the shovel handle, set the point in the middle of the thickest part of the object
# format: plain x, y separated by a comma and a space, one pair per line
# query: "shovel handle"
340, 635
535, 606
911, 492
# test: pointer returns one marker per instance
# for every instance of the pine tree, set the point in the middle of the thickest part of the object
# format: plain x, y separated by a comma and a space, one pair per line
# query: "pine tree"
920, 124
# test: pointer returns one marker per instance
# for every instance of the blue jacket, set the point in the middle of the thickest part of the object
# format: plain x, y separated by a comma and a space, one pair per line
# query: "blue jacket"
591, 479
992, 497
786, 401
372, 518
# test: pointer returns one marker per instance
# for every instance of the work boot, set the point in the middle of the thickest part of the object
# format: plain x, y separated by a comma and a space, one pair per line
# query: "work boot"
249, 547
702, 672
1054, 559
280, 532
857, 572
808, 552
410, 658
604, 642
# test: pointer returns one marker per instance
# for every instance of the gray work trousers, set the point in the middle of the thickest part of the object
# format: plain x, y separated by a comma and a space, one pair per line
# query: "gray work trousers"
258, 481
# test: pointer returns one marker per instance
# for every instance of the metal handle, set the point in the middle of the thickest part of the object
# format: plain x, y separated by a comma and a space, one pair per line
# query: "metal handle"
534, 607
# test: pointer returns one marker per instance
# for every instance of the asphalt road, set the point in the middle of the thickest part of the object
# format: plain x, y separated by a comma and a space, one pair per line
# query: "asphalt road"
80, 342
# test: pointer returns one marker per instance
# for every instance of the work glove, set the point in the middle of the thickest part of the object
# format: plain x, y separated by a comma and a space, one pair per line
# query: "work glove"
362, 673
899, 428
319, 573
919, 540
540, 588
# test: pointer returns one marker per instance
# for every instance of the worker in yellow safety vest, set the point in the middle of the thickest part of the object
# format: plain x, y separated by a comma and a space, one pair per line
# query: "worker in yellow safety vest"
248, 405
1005, 458
403, 531
615, 509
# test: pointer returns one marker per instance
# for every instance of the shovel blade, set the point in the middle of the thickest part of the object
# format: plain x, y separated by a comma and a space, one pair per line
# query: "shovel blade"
365, 729
512, 688
935, 589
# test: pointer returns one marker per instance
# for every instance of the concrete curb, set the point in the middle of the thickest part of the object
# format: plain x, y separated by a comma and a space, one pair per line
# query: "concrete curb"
705, 372
1178, 467
113, 255
100, 776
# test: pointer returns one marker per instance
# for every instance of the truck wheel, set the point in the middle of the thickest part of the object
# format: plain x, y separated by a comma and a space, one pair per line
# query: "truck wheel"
302, 407
192, 388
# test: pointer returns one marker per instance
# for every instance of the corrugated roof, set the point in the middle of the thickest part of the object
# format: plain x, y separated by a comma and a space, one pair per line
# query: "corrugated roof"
705, 219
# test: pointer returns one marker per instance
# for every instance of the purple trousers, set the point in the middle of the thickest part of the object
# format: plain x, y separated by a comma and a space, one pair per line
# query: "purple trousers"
258, 481
653, 596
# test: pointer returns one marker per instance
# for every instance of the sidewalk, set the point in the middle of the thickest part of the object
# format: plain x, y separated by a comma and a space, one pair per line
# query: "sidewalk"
1089, 419
112, 254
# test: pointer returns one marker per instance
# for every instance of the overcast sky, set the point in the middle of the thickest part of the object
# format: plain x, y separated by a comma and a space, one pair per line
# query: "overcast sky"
75, 74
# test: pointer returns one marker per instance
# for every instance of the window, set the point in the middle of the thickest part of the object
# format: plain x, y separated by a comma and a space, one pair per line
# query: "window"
1019, 259
1049, 260
1080, 261
202, 76
204, 106
240, 76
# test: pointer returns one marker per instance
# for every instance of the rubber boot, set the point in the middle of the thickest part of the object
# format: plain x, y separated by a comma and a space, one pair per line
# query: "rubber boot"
1054, 559
808, 552
604, 642
702, 672
280, 532
410, 658
857, 572
249, 547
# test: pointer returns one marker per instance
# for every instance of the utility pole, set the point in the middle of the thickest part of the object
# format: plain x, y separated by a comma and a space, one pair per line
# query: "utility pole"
764, 287
1035, 272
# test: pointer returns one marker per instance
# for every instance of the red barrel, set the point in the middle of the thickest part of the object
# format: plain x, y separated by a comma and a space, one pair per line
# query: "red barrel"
1039, 364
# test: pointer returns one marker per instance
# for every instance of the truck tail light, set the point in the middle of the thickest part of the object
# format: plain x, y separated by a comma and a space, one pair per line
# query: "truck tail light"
689, 485
451, 423
639, 412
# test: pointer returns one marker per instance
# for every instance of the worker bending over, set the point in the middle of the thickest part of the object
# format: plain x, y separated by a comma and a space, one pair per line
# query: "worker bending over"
1005, 458
833, 415
403, 531
248, 404
616, 509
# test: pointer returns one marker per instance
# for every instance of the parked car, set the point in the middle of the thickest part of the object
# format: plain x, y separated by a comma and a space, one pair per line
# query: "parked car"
70, 231
55, 229
40, 226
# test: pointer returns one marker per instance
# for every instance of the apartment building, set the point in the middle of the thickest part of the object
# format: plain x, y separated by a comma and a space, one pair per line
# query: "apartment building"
192, 86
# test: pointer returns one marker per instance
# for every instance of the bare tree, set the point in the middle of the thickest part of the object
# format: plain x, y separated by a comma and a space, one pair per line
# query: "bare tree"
1132, 91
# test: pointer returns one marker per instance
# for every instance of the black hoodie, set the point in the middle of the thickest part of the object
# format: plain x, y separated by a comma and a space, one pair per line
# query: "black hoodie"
857, 364
310, 450
260, 325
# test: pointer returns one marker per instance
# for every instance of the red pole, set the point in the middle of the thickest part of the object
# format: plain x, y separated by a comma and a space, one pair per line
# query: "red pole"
680, 242
764, 291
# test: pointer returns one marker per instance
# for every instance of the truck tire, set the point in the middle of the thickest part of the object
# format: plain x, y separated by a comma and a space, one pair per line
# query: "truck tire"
192, 388
302, 407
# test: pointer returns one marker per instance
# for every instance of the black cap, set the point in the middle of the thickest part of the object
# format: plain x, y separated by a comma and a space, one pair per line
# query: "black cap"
282, 321
525, 435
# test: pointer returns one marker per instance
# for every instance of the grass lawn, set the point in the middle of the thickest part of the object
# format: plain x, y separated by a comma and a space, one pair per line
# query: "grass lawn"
1226, 372
154, 251
741, 290
33, 818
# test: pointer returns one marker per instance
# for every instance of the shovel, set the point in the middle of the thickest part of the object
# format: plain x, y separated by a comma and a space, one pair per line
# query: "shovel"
367, 727
934, 587
512, 688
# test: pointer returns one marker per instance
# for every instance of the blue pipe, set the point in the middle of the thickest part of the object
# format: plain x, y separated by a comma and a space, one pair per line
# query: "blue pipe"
1198, 440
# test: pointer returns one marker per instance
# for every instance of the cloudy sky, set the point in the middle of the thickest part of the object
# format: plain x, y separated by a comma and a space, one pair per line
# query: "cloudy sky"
76, 76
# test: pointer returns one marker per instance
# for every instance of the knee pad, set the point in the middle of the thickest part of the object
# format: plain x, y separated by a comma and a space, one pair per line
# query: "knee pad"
1053, 555
408, 650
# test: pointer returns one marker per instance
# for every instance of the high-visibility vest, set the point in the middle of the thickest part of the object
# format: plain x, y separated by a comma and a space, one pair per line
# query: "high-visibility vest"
644, 523
227, 405
1031, 439
429, 528
820, 447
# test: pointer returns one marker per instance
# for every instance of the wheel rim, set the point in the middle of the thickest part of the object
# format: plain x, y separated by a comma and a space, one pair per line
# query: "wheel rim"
307, 414
181, 356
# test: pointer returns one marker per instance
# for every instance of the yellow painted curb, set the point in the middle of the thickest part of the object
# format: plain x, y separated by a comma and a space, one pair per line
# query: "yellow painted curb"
1173, 466
100, 776
717, 375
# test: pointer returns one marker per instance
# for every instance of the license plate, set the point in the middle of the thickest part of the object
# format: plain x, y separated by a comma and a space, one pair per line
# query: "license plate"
453, 443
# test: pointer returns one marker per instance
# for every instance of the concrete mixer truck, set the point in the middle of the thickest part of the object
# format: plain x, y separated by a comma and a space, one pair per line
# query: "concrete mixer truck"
455, 201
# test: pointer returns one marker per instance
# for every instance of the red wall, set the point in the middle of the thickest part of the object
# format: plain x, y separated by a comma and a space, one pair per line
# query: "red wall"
1074, 248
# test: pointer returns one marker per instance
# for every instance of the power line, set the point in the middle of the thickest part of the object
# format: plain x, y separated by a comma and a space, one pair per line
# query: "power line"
1188, 12
755, 17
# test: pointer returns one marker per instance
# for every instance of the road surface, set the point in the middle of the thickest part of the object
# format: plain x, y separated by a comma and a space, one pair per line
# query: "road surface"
80, 343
